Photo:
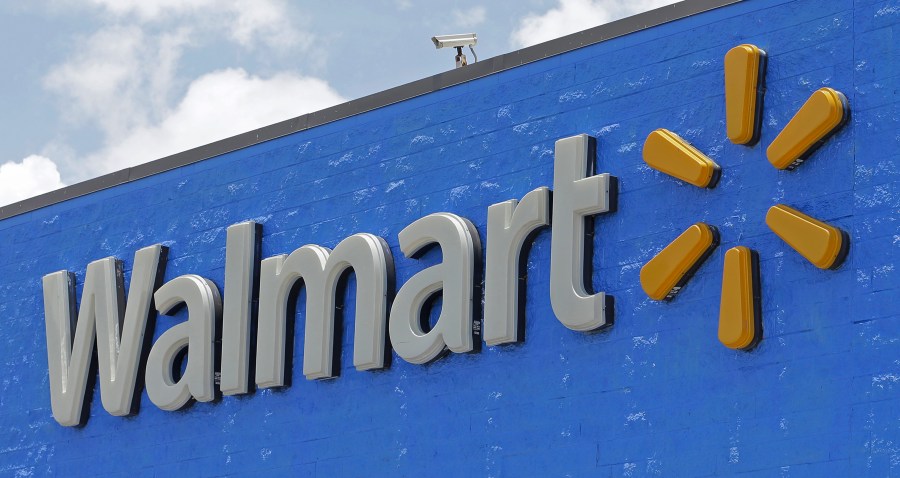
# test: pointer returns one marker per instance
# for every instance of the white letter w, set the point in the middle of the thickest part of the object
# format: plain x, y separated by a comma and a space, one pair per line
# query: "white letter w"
103, 314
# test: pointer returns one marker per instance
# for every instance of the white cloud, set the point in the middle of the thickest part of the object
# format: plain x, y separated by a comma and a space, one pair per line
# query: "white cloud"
246, 21
470, 17
125, 82
151, 9
217, 105
32, 176
120, 78
571, 16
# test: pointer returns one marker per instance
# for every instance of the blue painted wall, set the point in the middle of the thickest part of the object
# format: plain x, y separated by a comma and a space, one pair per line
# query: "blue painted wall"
656, 394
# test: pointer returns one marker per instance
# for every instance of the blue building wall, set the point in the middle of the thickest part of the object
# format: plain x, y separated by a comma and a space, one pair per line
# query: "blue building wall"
655, 394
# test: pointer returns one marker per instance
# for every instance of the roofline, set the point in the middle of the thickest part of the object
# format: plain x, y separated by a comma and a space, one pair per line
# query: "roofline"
371, 102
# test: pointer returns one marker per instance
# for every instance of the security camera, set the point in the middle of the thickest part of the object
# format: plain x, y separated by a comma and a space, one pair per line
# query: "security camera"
457, 41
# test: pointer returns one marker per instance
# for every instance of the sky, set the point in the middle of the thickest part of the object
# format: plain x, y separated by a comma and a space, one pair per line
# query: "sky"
95, 86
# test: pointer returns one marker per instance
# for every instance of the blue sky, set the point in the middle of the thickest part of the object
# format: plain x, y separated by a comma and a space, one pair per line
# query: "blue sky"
95, 86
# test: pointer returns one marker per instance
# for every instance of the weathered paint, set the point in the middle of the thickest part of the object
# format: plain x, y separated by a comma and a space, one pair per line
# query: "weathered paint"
656, 393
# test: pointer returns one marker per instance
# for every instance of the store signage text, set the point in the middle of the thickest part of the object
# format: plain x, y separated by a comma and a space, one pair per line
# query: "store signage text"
119, 326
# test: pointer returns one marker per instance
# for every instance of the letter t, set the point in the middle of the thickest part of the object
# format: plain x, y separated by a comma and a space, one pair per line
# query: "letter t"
576, 193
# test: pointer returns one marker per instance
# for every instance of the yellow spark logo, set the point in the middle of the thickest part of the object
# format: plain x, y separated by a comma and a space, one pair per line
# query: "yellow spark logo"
824, 245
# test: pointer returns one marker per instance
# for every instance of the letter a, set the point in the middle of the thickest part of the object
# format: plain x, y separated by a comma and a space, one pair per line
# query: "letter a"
460, 245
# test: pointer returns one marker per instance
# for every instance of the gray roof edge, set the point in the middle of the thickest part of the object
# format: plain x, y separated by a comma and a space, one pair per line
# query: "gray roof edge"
374, 101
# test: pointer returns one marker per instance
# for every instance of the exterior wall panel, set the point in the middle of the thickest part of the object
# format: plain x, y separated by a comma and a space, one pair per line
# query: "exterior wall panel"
655, 394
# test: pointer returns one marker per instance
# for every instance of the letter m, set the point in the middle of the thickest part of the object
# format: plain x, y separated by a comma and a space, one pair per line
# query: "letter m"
102, 314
